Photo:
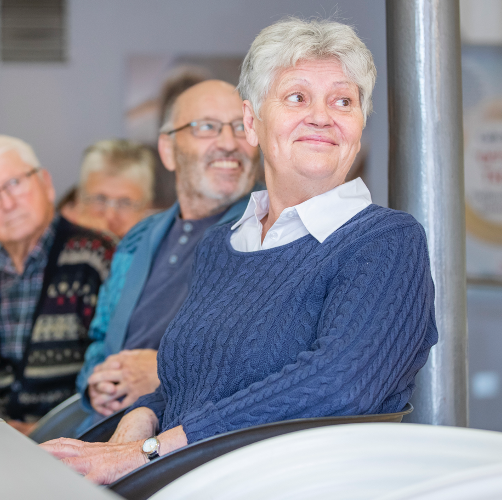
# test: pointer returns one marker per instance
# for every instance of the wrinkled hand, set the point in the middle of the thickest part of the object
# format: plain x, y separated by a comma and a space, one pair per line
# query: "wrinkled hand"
23, 427
128, 375
102, 463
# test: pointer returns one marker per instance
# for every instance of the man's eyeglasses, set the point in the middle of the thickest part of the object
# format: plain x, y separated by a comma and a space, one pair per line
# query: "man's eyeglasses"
212, 128
99, 203
19, 186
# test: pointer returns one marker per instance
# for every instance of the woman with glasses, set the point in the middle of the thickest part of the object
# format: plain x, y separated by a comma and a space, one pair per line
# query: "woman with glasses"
316, 302
116, 186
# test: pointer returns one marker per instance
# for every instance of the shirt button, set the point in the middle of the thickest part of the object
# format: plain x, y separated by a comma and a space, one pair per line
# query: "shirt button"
291, 214
274, 235
183, 239
173, 259
187, 227
16, 386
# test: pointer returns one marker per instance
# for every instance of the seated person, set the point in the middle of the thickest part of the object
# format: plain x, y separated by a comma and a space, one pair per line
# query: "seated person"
316, 302
215, 167
116, 186
50, 274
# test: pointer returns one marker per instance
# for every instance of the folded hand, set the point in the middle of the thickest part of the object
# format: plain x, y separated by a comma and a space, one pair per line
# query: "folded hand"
122, 379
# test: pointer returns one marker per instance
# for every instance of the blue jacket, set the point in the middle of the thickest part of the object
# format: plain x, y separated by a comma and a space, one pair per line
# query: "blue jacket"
121, 291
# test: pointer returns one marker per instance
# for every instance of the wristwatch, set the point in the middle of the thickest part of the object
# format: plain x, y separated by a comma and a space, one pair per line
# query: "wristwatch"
151, 448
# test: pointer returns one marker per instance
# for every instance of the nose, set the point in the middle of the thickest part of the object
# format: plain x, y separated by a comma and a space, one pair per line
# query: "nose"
226, 139
319, 115
111, 217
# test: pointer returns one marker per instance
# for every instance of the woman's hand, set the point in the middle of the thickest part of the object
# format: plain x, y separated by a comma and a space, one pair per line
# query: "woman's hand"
140, 423
102, 463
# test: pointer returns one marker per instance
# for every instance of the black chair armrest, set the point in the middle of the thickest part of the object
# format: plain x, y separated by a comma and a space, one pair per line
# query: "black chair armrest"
102, 431
62, 421
150, 478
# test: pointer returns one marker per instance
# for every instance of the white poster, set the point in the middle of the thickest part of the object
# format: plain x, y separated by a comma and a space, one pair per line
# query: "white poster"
482, 89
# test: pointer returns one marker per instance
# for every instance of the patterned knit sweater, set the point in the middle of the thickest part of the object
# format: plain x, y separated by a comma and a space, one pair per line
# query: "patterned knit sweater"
78, 263
301, 330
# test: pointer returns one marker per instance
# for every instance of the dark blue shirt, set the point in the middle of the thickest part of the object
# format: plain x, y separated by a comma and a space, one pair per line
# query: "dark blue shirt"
168, 283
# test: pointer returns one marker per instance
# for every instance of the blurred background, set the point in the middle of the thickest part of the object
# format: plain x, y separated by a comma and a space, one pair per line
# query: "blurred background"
73, 72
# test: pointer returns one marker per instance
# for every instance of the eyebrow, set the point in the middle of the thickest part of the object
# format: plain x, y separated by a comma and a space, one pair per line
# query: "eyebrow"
338, 83
217, 120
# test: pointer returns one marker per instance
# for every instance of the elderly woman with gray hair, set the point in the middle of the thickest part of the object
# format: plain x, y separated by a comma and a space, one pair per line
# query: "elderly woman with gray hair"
316, 302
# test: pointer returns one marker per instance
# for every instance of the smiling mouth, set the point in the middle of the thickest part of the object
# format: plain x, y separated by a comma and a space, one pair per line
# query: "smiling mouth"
225, 164
317, 140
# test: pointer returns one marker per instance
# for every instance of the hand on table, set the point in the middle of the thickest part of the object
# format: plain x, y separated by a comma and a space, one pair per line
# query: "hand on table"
104, 463
128, 375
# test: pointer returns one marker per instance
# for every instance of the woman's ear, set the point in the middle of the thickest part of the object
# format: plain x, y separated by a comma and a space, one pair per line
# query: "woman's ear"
249, 120
166, 152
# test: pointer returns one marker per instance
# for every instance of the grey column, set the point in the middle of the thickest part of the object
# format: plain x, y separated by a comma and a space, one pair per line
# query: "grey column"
426, 179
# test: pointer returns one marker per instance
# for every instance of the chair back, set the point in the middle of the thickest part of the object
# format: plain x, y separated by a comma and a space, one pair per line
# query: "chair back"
62, 421
103, 430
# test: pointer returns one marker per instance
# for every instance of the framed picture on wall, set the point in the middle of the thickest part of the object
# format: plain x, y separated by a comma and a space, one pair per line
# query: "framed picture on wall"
482, 94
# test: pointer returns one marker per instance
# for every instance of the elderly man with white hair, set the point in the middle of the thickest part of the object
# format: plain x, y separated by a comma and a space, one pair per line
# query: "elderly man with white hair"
316, 302
50, 274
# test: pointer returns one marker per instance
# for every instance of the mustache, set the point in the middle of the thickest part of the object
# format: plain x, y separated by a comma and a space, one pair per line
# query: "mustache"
225, 155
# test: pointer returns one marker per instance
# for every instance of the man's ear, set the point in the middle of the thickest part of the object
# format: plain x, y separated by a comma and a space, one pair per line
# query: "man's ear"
166, 152
49, 186
249, 120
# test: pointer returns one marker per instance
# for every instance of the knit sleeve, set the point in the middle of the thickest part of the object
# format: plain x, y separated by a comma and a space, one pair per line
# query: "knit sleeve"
374, 334
155, 401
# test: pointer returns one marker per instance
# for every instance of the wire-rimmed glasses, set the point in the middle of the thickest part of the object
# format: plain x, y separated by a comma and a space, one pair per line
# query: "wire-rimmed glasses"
212, 128
19, 186
98, 203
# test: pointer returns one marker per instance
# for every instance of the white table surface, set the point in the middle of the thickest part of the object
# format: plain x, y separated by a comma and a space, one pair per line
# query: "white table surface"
358, 461
28, 472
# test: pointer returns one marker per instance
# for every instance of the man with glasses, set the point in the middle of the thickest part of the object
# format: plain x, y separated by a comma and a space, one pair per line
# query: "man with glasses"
203, 143
50, 274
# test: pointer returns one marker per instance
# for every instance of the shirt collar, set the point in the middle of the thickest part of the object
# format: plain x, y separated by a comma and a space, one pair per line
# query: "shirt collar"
322, 214
40, 251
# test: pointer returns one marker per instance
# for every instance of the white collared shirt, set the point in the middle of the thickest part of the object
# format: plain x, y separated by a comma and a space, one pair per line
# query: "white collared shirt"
319, 216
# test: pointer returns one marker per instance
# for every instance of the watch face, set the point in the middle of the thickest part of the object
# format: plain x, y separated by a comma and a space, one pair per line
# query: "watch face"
149, 445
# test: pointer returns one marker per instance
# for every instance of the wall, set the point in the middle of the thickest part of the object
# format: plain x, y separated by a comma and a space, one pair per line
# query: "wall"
481, 21
62, 108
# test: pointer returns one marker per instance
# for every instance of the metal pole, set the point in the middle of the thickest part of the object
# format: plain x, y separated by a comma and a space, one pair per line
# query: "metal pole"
426, 179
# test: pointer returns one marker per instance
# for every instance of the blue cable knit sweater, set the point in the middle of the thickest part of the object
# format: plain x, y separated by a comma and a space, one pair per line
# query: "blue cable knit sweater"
301, 330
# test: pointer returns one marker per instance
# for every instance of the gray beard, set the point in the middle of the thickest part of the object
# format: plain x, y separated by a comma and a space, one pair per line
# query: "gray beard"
196, 186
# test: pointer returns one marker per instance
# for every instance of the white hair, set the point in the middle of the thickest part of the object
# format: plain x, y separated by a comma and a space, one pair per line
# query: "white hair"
286, 42
120, 157
25, 151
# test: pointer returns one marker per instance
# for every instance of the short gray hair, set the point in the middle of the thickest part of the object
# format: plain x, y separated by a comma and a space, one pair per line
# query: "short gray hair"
25, 151
120, 157
286, 42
